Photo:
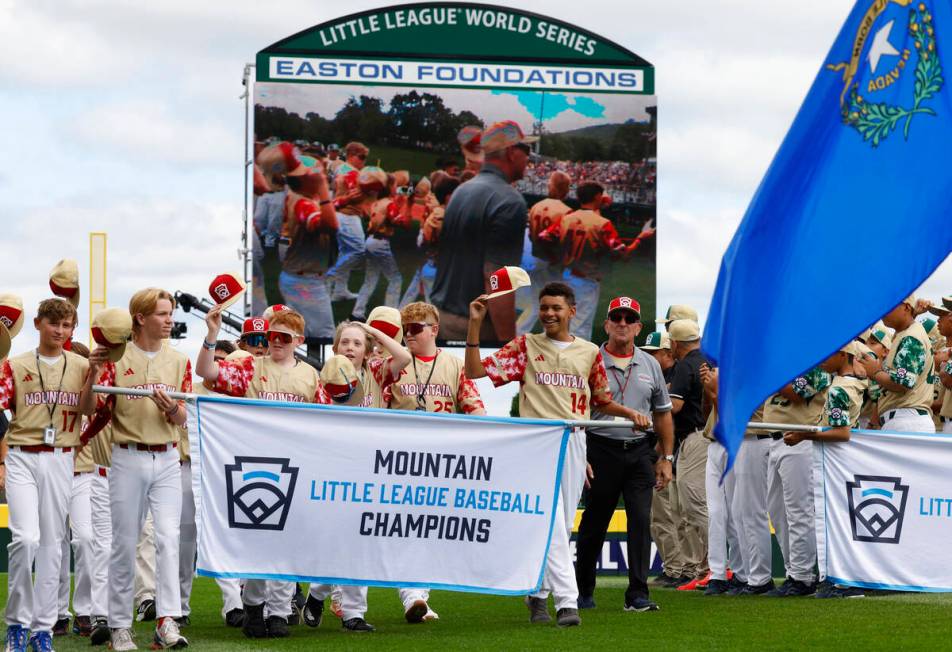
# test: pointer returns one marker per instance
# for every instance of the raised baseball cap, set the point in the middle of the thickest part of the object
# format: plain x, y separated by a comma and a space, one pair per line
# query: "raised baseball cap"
5, 342
372, 179
506, 280
679, 311
388, 321
112, 328
684, 330
500, 135
931, 327
238, 354
882, 336
225, 289
657, 340
11, 313
270, 311
624, 303
254, 325
281, 158
64, 280
340, 380
944, 309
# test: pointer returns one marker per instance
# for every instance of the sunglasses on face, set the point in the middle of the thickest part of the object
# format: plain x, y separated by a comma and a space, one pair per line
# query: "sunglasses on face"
415, 328
255, 339
627, 317
278, 336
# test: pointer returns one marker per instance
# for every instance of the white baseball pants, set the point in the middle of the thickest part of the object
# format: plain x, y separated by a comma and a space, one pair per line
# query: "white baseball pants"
230, 594
141, 482
750, 507
723, 541
188, 542
353, 601
101, 519
790, 495
81, 529
38, 486
275, 595
908, 420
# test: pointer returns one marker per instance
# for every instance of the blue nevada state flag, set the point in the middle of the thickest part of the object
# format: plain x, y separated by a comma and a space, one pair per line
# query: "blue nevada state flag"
853, 213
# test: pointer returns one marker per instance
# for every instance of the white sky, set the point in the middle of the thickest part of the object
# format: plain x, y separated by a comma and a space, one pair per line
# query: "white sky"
124, 117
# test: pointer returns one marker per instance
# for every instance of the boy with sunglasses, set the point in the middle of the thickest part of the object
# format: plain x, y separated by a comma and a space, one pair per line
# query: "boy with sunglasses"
559, 377
254, 336
434, 381
277, 376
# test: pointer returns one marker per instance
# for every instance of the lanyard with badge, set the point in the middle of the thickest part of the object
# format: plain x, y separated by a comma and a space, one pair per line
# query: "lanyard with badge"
614, 371
49, 433
420, 397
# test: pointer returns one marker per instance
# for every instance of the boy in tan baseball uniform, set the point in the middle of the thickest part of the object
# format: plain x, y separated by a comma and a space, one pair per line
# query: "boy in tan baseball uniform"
145, 475
560, 376
47, 390
277, 376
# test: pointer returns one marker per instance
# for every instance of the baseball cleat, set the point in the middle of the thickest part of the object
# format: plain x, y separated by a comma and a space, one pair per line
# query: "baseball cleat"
16, 639
235, 617
313, 612
121, 640
567, 617
760, 589
357, 625
100, 632
61, 628
41, 642
690, 585
538, 611
736, 586
337, 602
782, 590
416, 612
183, 621
167, 635
277, 627
145, 612
82, 625
254, 626
586, 602
430, 614
717, 587
640, 605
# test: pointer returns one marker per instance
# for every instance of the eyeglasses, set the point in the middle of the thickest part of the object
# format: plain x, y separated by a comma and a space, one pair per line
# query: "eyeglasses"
255, 339
416, 327
628, 317
278, 336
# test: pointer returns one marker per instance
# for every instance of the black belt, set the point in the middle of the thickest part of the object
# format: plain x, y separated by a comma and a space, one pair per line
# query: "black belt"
620, 444
945, 419
377, 236
774, 435
892, 413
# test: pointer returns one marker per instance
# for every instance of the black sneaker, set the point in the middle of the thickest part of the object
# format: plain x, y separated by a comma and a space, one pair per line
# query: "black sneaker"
254, 625
825, 589
183, 621
717, 587
235, 617
277, 627
538, 610
567, 617
782, 590
294, 618
100, 634
848, 592
145, 612
759, 589
801, 589
735, 586
640, 605
61, 628
586, 602
357, 625
313, 611
82, 625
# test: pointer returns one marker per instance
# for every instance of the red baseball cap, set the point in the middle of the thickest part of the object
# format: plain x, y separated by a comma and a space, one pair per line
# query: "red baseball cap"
270, 311
625, 303
225, 289
254, 325
506, 280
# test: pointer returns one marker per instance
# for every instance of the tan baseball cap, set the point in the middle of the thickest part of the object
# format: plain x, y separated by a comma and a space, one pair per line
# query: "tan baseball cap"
11, 313
238, 354
679, 312
64, 280
684, 330
656, 341
270, 311
341, 381
112, 328
944, 309
883, 336
388, 321
506, 280
500, 135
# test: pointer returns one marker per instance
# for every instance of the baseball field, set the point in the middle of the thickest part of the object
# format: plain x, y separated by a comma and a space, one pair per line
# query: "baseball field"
692, 621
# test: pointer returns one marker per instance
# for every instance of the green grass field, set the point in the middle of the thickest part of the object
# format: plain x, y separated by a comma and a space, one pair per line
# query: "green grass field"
685, 622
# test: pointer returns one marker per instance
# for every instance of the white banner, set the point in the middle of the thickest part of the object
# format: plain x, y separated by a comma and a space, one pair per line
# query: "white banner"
884, 511
373, 497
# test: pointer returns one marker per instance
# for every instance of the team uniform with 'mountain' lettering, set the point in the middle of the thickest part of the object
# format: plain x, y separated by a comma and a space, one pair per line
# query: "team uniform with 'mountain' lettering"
262, 378
145, 476
41, 393
557, 380
541, 260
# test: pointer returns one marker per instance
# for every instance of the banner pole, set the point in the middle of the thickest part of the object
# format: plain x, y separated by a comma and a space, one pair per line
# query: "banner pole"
128, 391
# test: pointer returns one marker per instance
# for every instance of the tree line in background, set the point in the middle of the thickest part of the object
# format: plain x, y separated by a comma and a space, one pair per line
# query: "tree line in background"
422, 121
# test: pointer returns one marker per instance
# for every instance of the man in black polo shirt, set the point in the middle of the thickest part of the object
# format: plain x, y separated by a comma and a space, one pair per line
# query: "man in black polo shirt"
623, 462
686, 392
483, 230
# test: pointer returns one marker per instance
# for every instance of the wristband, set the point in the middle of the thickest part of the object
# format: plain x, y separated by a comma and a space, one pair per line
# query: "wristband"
207, 346
472, 346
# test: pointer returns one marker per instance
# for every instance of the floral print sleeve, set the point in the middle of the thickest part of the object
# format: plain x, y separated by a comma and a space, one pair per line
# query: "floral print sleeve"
838, 407
508, 363
468, 399
908, 363
320, 394
598, 383
7, 391
811, 383
234, 376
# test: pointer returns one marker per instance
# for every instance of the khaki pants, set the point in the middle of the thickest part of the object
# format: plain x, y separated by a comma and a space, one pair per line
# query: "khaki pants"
692, 501
665, 518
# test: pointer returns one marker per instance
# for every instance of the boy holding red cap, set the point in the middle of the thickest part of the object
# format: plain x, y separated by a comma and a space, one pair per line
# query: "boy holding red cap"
277, 376
47, 390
